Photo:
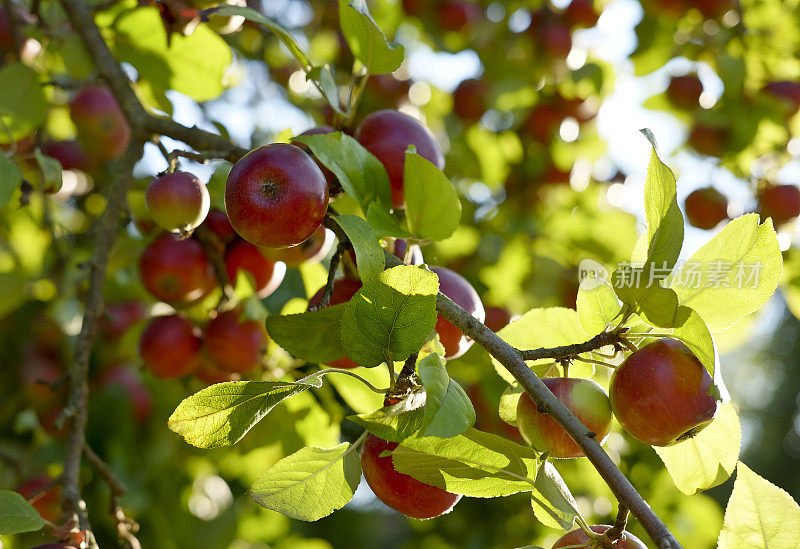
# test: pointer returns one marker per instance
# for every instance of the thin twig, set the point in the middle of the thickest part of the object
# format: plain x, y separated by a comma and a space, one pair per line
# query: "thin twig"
602, 339
329, 284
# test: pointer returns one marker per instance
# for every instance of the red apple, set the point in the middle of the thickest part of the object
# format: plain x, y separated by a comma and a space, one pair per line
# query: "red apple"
267, 274
170, 346
176, 271
387, 134
330, 177
684, 91
456, 287
136, 391
578, 538
102, 128
312, 250
399, 491
543, 122
786, 90
455, 15
581, 13
235, 344
470, 98
47, 502
584, 397
69, 153
780, 202
556, 39
343, 290
660, 394
708, 140
276, 196
119, 317
210, 373
414, 8
706, 208
177, 201
218, 223
496, 318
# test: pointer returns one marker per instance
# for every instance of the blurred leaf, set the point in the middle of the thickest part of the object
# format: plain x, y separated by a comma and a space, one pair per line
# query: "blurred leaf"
220, 415
365, 39
474, 464
390, 317
312, 336
369, 254
22, 102
323, 75
448, 409
759, 515
708, 458
551, 501
17, 515
10, 179
397, 422
311, 483
357, 395
597, 305
50, 171
432, 206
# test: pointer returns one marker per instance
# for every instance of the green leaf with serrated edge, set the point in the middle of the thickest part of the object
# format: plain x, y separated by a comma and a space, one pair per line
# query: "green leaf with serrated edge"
655, 304
10, 179
690, 328
383, 222
733, 275
311, 483
17, 515
433, 210
475, 464
369, 254
365, 39
312, 336
283, 35
508, 404
220, 415
361, 175
323, 75
397, 422
597, 305
448, 409
23, 105
664, 218
390, 317
759, 515
708, 458
547, 327
551, 501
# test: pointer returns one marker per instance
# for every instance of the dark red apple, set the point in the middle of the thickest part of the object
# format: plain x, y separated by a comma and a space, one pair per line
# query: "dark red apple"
414, 8
584, 397
780, 202
387, 134
708, 140
684, 91
543, 122
343, 290
47, 502
119, 317
456, 287
170, 346
267, 274
175, 270
470, 99
556, 39
581, 13
706, 208
69, 153
456, 15
660, 394
399, 491
235, 344
312, 250
497, 318
210, 373
786, 90
276, 196
578, 538
177, 201
218, 223
131, 383
102, 128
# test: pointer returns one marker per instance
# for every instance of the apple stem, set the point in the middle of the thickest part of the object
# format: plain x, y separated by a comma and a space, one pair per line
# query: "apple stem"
592, 361
616, 531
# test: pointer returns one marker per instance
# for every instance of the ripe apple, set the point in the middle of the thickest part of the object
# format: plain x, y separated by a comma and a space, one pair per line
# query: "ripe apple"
387, 134
333, 182
47, 503
706, 208
456, 287
119, 317
414, 8
235, 344
584, 397
399, 491
210, 373
343, 290
312, 250
102, 128
170, 346
177, 201
660, 394
276, 196
176, 271
786, 90
684, 91
131, 383
543, 122
69, 153
456, 15
496, 318
578, 538
581, 13
218, 223
267, 274
780, 202
556, 39
708, 140
470, 98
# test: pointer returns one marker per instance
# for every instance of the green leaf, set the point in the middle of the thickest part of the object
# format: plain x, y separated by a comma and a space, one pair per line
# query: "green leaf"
323, 75
655, 304
17, 515
283, 35
369, 254
759, 515
10, 178
690, 328
311, 483
357, 395
365, 39
382, 221
552, 502
50, 171
733, 275
547, 327
193, 65
475, 464
220, 415
312, 336
432, 206
390, 317
23, 105
362, 176
508, 404
397, 422
448, 409
708, 458
597, 305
